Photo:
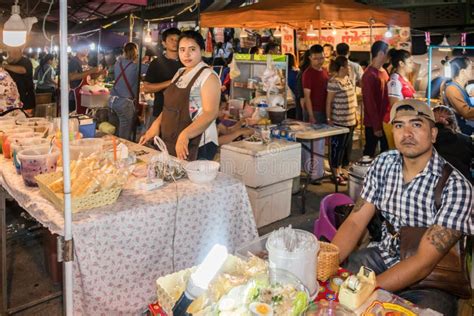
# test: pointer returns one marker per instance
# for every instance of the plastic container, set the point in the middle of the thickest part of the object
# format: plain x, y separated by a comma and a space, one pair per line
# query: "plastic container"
7, 140
37, 126
202, 171
35, 161
85, 147
18, 144
300, 262
31, 120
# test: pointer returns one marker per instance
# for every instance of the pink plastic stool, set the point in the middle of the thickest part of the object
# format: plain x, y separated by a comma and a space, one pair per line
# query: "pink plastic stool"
325, 225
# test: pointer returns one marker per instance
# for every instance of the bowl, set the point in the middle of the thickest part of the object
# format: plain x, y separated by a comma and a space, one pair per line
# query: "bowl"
85, 147
202, 171
35, 161
276, 114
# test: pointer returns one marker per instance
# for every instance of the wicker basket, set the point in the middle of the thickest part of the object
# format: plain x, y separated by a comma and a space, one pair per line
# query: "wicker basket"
78, 204
328, 261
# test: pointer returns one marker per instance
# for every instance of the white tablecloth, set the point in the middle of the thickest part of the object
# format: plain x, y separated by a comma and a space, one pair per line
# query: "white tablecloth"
121, 249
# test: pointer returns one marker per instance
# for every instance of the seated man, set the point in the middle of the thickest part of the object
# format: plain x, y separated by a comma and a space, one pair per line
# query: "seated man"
401, 183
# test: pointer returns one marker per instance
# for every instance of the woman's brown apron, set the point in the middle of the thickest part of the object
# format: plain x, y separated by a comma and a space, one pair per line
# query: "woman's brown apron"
175, 116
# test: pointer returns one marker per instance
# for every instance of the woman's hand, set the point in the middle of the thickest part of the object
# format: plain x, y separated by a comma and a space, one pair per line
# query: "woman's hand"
182, 143
146, 137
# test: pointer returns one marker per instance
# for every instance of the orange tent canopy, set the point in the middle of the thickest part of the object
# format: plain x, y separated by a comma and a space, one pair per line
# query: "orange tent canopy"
302, 13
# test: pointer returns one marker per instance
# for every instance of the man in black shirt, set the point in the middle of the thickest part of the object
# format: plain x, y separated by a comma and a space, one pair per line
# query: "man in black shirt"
162, 69
21, 70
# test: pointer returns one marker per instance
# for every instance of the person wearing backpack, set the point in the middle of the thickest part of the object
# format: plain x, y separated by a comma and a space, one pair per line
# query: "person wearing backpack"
45, 76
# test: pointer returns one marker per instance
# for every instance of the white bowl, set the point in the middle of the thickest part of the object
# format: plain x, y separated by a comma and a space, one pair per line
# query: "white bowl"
202, 171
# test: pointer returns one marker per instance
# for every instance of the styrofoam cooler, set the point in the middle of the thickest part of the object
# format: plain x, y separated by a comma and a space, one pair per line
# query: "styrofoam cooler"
268, 172
271, 203
261, 165
317, 168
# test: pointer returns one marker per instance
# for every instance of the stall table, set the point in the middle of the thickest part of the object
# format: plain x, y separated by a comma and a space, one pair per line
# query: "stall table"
121, 249
311, 134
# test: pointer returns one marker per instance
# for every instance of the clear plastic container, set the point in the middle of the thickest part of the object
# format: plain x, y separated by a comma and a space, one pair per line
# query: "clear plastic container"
7, 140
18, 144
35, 161
300, 259
85, 147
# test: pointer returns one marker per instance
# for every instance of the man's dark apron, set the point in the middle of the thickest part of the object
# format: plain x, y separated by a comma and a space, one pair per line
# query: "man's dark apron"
175, 116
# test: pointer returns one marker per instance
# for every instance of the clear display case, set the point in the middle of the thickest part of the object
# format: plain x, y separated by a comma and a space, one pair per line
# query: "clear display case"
252, 67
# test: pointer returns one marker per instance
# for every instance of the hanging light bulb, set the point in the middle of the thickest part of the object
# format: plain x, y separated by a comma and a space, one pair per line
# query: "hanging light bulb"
14, 30
444, 43
277, 33
243, 33
38, 50
92, 46
56, 48
69, 49
310, 31
388, 33
147, 38
334, 32
30, 50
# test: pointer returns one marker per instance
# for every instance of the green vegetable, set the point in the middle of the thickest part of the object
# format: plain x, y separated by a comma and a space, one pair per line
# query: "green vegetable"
277, 298
300, 303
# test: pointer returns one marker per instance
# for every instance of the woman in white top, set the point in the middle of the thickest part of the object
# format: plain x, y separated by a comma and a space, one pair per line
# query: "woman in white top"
194, 93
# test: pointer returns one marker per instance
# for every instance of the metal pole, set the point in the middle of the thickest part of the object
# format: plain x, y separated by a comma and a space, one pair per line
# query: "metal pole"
430, 61
67, 265
98, 47
139, 74
3, 254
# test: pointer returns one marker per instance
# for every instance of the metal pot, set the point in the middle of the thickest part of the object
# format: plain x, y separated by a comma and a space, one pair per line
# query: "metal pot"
356, 176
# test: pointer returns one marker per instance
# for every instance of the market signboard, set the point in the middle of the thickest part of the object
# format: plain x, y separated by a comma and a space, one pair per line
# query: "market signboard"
287, 40
358, 38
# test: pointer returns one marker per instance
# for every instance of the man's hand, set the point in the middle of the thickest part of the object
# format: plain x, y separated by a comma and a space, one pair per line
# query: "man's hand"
311, 118
434, 245
378, 133
246, 132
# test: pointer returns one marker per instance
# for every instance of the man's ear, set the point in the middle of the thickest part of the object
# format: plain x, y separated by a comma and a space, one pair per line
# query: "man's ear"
434, 134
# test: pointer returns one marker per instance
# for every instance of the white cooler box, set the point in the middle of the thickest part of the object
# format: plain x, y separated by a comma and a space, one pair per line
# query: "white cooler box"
261, 165
271, 203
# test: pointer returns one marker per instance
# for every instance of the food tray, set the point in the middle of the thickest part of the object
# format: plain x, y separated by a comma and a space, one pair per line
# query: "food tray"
78, 204
170, 287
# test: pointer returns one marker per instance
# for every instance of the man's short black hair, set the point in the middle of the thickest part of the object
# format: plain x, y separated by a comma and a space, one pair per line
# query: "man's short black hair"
168, 32
316, 49
328, 45
378, 46
342, 49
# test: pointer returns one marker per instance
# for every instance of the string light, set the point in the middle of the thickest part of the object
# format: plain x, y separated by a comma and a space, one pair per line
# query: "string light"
147, 38
388, 33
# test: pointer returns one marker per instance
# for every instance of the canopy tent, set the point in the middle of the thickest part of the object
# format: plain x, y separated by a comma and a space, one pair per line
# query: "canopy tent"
303, 13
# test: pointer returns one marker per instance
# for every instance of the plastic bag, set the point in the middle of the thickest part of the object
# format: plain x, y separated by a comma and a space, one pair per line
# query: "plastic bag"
234, 70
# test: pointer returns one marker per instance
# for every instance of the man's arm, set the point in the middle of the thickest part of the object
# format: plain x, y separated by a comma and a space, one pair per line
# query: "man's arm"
309, 105
149, 87
15, 68
73, 76
433, 246
351, 231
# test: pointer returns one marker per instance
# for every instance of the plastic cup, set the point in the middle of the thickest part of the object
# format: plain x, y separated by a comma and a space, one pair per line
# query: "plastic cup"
18, 144
35, 161
6, 140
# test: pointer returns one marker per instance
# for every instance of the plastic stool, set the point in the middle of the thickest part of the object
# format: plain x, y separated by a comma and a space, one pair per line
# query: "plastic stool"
325, 225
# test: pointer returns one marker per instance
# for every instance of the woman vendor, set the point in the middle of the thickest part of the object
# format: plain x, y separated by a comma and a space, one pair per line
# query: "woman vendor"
191, 104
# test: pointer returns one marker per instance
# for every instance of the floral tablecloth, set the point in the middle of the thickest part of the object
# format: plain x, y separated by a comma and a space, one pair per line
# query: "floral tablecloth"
121, 249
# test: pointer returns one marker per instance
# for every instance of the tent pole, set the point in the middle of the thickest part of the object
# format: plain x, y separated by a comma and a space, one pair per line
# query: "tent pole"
430, 61
98, 46
67, 262
139, 70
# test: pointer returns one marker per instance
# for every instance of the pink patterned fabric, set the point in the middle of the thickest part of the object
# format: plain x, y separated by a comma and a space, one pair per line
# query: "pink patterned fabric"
120, 250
